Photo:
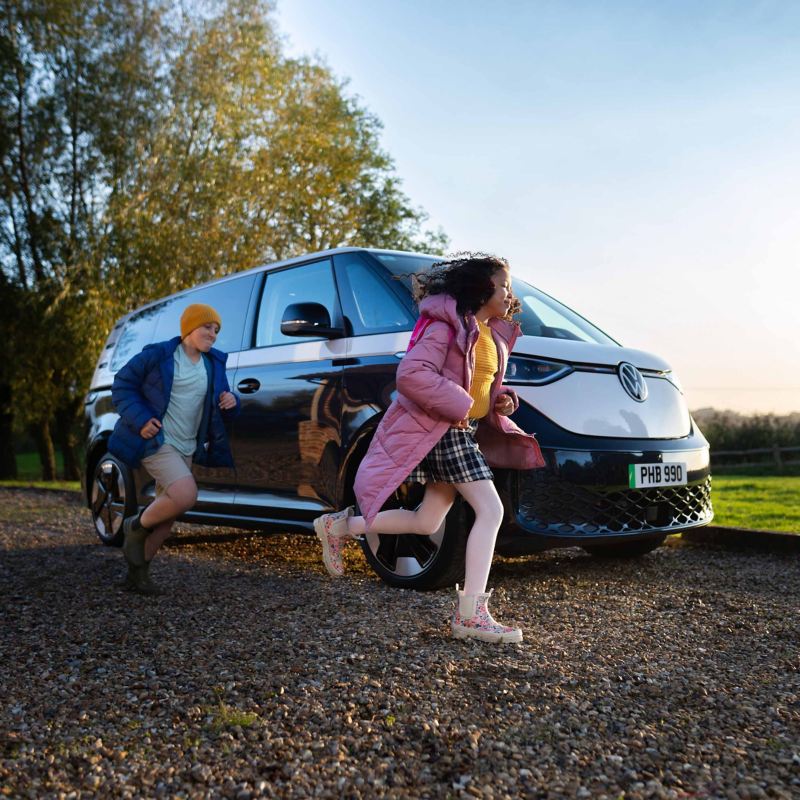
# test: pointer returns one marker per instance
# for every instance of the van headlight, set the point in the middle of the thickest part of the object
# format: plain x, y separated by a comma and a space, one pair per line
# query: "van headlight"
534, 371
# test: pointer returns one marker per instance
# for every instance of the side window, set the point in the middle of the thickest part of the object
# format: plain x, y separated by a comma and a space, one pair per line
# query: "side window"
369, 299
310, 283
162, 321
230, 299
138, 331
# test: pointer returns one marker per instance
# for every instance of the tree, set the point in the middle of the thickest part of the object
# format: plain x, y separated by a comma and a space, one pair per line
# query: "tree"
72, 79
258, 157
9, 304
143, 151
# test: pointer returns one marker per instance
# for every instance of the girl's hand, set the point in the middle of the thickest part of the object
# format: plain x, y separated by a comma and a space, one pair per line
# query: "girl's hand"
504, 405
150, 428
227, 400
462, 424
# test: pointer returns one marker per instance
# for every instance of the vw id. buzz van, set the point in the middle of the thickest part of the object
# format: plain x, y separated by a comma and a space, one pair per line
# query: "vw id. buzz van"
314, 345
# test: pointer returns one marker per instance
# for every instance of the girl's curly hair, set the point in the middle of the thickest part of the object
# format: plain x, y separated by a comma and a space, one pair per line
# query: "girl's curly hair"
465, 276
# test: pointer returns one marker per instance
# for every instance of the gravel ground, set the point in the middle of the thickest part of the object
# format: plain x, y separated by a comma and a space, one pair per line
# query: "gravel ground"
257, 675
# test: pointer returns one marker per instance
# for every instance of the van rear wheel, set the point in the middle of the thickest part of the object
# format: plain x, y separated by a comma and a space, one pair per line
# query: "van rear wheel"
411, 561
112, 498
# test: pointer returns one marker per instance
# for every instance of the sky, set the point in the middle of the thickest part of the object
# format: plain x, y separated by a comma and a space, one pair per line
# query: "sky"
639, 161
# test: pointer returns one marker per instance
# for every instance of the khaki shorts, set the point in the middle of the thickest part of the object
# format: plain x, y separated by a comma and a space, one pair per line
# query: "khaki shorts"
167, 465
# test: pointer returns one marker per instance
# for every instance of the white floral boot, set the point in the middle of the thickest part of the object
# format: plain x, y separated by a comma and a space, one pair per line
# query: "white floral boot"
471, 619
331, 530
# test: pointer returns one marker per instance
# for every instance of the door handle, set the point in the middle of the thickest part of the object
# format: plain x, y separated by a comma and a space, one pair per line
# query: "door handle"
248, 386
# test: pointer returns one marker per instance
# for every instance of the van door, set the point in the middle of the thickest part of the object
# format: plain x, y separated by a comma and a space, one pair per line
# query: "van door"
380, 315
286, 441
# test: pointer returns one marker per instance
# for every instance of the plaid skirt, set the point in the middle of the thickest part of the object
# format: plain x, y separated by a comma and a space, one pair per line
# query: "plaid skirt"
455, 458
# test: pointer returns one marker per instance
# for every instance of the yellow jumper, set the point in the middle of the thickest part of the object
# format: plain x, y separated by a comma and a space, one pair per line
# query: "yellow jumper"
483, 375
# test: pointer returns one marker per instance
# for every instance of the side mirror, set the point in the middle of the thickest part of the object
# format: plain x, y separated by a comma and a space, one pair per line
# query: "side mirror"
309, 319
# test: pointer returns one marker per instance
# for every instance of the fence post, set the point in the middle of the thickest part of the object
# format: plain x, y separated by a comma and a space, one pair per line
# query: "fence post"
776, 453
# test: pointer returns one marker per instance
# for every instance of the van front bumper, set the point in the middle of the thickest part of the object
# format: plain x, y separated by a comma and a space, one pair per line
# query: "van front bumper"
582, 496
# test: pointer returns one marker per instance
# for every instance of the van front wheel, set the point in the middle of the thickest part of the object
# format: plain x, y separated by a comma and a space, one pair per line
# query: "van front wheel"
411, 561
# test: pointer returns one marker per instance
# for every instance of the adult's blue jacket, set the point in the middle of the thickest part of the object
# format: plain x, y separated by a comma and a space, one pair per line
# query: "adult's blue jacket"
141, 391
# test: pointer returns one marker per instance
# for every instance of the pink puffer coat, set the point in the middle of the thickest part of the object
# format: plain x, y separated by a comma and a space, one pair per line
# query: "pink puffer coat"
432, 383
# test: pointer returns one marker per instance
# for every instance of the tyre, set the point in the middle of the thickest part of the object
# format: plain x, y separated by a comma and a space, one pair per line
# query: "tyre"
626, 549
112, 498
410, 561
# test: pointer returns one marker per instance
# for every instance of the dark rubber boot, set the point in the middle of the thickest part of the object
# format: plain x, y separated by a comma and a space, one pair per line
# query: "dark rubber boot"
138, 580
133, 545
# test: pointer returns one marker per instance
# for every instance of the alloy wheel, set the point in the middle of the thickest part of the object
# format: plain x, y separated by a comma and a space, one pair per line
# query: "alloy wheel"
110, 499
406, 555
411, 561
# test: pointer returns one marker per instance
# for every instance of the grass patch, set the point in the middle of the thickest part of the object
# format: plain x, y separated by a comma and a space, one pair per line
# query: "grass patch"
767, 468
29, 475
222, 716
762, 502
62, 486
29, 468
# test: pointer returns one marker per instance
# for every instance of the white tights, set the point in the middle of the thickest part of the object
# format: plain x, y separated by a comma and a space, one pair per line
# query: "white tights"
439, 497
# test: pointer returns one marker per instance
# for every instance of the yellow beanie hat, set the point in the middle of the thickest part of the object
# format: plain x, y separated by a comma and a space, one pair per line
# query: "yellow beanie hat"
196, 315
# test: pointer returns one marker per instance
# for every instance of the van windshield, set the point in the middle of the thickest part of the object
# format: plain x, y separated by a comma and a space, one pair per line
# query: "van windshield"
541, 315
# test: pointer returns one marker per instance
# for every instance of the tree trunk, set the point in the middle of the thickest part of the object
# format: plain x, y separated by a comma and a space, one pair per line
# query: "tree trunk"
44, 444
67, 439
8, 460
72, 464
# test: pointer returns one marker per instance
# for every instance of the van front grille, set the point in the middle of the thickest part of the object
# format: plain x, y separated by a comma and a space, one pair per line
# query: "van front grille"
550, 505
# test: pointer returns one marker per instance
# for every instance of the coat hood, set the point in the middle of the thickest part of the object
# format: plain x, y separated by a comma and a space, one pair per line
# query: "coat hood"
442, 307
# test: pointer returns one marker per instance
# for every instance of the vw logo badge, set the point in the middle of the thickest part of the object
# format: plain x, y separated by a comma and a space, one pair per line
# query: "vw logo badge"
632, 381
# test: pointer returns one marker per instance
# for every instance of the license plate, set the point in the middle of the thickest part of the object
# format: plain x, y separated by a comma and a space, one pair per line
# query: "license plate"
643, 476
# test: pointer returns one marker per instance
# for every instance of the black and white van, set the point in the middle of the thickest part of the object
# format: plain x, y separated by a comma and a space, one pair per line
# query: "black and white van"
314, 344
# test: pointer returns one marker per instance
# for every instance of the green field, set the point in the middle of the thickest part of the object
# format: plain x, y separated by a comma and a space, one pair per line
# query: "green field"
30, 469
769, 503
62, 486
762, 502
29, 473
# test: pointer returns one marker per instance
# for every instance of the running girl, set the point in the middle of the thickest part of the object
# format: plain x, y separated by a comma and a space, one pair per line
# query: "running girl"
447, 427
